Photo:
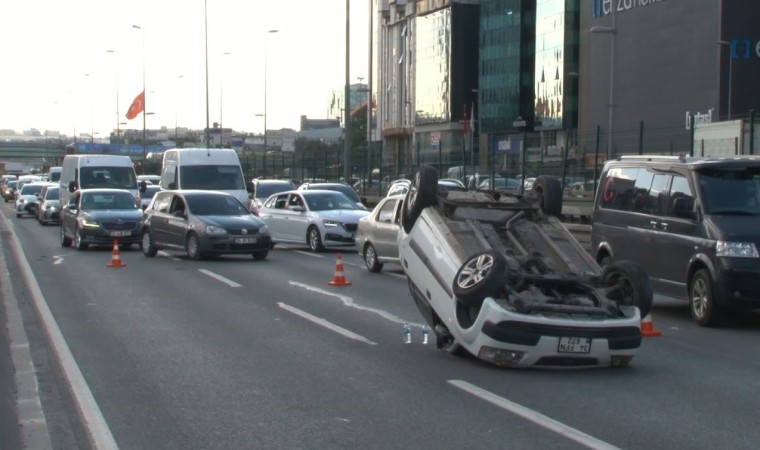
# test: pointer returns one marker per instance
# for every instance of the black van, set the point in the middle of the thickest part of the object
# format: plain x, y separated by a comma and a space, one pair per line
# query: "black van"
692, 223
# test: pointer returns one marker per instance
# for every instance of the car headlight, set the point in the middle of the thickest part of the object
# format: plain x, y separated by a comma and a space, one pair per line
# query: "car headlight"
88, 223
331, 223
212, 230
264, 230
736, 249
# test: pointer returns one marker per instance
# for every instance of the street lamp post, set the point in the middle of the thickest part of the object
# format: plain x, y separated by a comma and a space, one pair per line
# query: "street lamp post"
347, 169
221, 103
266, 49
118, 131
145, 105
612, 31
730, 72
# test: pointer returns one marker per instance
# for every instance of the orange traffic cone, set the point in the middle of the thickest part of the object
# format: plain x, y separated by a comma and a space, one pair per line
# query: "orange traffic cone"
339, 279
115, 256
647, 327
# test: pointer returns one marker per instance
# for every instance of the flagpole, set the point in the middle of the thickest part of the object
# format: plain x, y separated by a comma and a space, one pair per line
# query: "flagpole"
144, 139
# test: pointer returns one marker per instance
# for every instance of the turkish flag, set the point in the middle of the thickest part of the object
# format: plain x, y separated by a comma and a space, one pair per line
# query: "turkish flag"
138, 106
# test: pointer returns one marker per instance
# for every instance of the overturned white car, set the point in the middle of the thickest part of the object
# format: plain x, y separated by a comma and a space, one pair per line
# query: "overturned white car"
500, 277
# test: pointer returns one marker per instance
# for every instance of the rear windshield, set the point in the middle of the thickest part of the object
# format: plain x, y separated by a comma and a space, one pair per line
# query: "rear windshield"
731, 192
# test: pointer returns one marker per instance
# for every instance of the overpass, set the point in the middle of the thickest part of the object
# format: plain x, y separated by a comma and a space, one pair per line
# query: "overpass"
40, 152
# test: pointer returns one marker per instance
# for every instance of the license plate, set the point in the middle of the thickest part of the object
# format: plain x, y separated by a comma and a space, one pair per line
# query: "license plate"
574, 345
120, 233
245, 240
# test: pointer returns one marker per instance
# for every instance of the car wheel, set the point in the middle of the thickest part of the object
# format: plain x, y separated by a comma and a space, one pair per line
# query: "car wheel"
549, 192
422, 193
79, 241
481, 276
370, 259
628, 284
260, 255
191, 246
65, 241
702, 304
314, 240
146, 243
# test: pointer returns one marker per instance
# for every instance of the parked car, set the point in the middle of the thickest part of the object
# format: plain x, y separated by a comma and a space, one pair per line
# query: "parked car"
9, 190
263, 189
692, 222
317, 218
399, 187
50, 206
27, 200
149, 179
100, 217
203, 223
495, 275
377, 234
147, 193
344, 188
584, 189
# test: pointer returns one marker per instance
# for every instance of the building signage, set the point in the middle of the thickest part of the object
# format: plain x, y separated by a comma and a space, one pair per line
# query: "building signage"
435, 140
743, 48
604, 7
699, 118
507, 146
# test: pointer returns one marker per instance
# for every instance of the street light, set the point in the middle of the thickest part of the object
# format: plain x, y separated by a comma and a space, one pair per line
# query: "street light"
266, 48
118, 131
221, 102
176, 114
145, 104
730, 72
612, 31
205, 20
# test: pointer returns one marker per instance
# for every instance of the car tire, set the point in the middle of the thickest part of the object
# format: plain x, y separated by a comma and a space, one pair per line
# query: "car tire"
549, 192
705, 311
148, 248
65, 241
422, 193
191, 247
79, 241
260, 255
628, 284
481, 276
370, 259
314, 239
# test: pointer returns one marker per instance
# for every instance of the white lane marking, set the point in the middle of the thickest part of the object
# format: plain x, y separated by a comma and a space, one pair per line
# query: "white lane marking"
348, 301
322, 322
313, 255
534, 416
397, 275
226, 281
95, 425
167, 255
58, 259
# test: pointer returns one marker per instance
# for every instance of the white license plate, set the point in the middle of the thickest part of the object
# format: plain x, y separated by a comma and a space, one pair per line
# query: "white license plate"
245, 240
120, 233
574, 345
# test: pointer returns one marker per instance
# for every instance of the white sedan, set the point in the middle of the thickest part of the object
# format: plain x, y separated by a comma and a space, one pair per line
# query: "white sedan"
318, 218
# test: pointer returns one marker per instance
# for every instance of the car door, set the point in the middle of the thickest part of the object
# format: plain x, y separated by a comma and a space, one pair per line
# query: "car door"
273, 213
677, 238
176, 221
69, 215
295, 222
384, 228
159, 218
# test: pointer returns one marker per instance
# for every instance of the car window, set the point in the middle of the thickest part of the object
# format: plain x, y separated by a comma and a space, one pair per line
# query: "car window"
266, 190
641, 189
99, 201
329, 201
385, 215
295, 200
178, 205
679, 189
280, 202
657, 194
731, 191
52, 194
162, 202
618, 188
215, 205
117, 177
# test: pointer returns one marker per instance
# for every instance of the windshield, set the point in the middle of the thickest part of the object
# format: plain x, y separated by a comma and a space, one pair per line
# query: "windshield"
115, 177
348, 191
51, 194
212, 177
265, 190
110, 200
728, 191
329, 201
55, 176
150, 192
215, 205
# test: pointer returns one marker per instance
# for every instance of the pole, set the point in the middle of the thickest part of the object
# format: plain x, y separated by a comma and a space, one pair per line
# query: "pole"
611, 117
564, 158
596, 157
369, 98
751, 131
205, 20
347, 126
641, 137
524, 154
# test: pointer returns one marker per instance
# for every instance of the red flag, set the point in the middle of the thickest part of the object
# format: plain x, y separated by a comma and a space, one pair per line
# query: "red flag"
138, 106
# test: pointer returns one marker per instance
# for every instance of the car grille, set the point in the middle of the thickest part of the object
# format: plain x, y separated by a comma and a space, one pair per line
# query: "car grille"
119, 225
239, 231
350, 226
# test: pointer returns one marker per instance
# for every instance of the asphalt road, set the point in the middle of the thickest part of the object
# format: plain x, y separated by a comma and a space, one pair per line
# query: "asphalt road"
236, 353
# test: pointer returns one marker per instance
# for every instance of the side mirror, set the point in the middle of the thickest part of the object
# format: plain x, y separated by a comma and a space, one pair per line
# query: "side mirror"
72, 186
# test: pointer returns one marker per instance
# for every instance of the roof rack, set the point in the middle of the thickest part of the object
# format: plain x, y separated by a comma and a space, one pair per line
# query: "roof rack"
652, 158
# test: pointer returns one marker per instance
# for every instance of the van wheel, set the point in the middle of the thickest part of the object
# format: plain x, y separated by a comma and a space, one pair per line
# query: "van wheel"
481, 276
628, 284
549, 192
702, 304
422, 193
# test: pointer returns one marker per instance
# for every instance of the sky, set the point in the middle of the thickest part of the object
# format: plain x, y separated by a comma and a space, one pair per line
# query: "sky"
71, 65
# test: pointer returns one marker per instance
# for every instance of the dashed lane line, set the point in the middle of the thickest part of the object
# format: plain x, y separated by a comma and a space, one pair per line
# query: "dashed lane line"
324, 323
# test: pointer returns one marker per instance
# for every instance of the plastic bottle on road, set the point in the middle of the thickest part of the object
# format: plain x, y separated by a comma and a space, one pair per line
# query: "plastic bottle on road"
425, 334
407, 334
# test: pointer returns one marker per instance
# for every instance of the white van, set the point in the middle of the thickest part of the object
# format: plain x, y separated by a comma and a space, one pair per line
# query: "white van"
97, 171
54, 174
214, 169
